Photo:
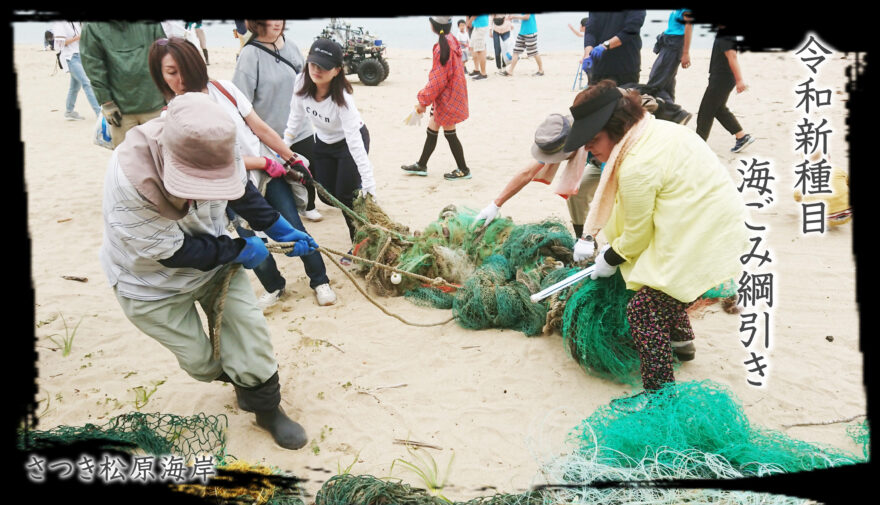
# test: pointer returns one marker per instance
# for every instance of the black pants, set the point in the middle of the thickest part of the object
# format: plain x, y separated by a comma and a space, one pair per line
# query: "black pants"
714, 106
305, 148
497, 38
620, 79
661, 81
334, 167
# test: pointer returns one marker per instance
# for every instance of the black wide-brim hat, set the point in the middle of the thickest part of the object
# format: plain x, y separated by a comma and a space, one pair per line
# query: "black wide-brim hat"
590, 117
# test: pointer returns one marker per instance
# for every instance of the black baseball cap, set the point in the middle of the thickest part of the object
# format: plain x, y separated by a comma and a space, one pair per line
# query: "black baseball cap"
325, 53
590, 117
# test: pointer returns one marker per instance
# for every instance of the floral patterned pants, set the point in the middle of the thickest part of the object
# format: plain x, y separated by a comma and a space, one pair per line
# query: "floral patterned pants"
655, 319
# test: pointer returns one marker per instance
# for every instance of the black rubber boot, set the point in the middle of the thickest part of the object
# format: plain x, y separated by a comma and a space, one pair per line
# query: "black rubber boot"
578, 230
286, 432
265, 401
206, 56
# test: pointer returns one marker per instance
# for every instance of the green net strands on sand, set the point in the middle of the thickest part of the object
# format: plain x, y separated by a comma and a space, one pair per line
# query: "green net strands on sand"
493, 298
695, 424
347, 489
156, 434
595, 330
861, 434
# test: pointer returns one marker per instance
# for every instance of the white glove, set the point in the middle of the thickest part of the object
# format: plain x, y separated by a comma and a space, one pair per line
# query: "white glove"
489, 213
602, 268
584, 249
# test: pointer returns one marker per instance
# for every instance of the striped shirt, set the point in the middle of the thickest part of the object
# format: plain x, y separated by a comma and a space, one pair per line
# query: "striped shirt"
136, 238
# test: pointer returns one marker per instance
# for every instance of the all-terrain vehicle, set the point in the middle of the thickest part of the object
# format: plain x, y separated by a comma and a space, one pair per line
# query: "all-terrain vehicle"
362, 53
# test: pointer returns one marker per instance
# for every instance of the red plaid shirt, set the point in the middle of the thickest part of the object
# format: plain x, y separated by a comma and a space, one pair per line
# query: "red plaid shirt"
447, 87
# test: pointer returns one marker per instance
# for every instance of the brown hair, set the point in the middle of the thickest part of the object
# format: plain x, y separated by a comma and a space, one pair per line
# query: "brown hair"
190, 64
258, 26
626, 113
337, 85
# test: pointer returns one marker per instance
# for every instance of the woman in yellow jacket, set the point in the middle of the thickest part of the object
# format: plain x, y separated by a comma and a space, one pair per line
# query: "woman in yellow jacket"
672, 217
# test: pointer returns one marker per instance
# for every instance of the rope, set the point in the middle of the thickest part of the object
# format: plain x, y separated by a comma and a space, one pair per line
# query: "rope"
379, 256
285, 247
214, 329
354, 215
326, 252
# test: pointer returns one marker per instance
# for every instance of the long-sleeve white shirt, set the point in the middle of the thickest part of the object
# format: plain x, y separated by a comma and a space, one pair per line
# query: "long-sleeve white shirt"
332, 124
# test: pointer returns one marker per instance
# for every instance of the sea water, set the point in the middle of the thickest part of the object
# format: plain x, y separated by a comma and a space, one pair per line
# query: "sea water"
406, 32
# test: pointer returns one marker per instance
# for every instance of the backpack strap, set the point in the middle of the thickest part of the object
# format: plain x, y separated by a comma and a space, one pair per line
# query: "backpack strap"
225, 93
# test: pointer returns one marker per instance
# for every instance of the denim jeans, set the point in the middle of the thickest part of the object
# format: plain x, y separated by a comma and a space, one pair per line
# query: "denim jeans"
78, 79
280, 197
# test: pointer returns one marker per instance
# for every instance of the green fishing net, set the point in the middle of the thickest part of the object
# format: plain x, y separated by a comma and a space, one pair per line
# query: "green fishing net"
595, 330
861, 434
493, 298
156, 434
695, 424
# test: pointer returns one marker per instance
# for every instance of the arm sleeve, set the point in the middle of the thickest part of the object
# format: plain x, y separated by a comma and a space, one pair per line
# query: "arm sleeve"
437, 79
632, 25
590, 32
91, 54
254, 208
351, 125
204, 252
246, 72
638, 191
294, 119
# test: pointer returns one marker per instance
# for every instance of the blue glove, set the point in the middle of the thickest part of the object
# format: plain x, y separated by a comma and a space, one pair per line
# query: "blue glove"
253, 254
282, 231
588, 64
597, 51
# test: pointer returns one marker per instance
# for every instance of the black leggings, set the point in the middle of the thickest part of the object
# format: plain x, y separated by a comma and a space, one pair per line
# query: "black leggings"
335, 169
714, 106
305, 148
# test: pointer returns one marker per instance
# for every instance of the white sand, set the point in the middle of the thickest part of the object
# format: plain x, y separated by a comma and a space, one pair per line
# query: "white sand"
500, 406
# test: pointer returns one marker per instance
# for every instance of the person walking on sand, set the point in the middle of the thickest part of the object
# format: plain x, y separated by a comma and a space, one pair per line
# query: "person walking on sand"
196, 26
672, 49
67, 35
526, 42
166, 247
725, 75
446, 93
114, 57
501, 27
480, 32
177, 68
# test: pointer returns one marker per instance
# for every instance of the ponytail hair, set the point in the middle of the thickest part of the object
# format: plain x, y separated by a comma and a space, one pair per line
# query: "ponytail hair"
442, 31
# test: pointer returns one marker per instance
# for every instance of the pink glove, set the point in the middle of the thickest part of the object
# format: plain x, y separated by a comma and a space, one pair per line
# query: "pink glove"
273, 168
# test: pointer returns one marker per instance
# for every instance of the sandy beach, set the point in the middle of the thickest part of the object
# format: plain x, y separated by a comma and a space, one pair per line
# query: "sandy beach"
358, 379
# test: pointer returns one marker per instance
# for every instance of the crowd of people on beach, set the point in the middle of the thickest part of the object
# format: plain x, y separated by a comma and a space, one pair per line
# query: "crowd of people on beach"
192, 155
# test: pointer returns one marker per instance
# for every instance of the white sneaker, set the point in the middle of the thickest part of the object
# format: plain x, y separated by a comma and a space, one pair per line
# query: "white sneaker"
269, 299
325, 295
72, 116
311, 215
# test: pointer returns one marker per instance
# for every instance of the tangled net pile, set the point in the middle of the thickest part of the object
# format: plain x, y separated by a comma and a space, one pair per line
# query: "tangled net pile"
188, 437
498, 268
686, 430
